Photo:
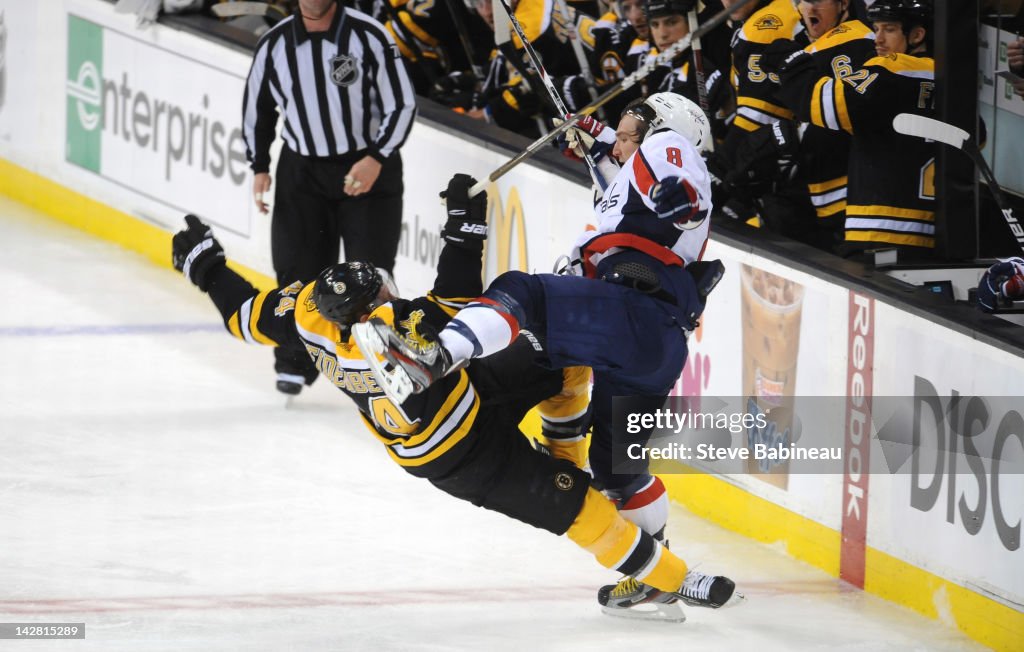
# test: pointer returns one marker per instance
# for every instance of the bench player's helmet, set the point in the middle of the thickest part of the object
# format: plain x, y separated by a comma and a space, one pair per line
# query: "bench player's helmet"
345, 292
659, 8
679, 114
909, 13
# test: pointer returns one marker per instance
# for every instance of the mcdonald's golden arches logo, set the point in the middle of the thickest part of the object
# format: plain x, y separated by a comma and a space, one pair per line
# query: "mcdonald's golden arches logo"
503, 217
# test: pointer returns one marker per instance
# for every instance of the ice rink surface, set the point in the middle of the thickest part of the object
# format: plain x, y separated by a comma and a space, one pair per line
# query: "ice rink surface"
154, 487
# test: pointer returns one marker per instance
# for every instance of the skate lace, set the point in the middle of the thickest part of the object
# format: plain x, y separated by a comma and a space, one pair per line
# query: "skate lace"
626, 586
697, 585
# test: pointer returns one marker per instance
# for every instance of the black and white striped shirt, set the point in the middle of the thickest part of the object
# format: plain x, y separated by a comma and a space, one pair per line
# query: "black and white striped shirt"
343, 90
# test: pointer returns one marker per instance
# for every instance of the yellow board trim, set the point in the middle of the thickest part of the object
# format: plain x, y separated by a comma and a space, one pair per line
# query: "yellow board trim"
86, 214
983, 619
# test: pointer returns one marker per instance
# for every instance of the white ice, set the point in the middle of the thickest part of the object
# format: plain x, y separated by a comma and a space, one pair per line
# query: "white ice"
154, 487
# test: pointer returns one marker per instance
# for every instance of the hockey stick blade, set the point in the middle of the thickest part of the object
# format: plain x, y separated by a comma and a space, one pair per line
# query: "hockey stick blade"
909, 124
915, 125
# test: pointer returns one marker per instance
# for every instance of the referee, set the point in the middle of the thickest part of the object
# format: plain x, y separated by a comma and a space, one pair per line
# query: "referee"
336, 76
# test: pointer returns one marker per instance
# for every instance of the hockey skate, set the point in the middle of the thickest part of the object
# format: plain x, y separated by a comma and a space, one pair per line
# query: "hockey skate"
630, 598
712, 591
410, 367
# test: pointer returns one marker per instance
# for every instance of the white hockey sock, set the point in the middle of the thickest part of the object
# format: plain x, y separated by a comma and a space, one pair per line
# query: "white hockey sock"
478, 330
648, 508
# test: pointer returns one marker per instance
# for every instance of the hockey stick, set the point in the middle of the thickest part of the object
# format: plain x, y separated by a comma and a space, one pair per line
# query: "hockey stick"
909, 124
503, 41
617, 89
581, 56
698, 70
556, 99
467, 46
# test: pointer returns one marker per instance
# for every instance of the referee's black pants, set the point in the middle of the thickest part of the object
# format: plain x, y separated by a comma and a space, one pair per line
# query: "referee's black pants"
313, 216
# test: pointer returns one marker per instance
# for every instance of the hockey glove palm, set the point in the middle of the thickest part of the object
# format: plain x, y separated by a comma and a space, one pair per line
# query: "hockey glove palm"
467, 216
1002, 281
675, 199
195, 252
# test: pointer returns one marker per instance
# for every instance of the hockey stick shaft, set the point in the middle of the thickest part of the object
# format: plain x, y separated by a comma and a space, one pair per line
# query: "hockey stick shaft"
698, 64
909, 124
556, 99
467, 46
581, 56
622, 85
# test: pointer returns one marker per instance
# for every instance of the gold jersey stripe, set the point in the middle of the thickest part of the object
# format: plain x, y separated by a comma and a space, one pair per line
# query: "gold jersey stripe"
891, 211
831, 209
891, 238
233, 326
449, 441
816, 117
767, 107
254, 318
745, 124
825, 186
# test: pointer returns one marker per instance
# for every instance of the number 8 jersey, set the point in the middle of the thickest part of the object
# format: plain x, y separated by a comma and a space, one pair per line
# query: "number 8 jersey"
627, 210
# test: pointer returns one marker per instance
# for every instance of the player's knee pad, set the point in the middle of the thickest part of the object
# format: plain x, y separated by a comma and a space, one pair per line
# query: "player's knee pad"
644, 502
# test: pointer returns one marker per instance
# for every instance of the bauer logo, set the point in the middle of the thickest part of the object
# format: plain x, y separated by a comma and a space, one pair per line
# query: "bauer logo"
84, 86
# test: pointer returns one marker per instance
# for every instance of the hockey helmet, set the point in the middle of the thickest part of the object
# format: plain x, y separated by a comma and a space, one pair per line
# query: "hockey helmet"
345, 292
910, 13
679, 114
659, 8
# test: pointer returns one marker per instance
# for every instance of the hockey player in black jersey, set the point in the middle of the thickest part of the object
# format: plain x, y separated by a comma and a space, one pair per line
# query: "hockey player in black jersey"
891, 188
460, 434
839, 45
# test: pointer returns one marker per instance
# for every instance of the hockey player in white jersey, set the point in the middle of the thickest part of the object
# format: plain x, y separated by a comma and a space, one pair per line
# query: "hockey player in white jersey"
637, 291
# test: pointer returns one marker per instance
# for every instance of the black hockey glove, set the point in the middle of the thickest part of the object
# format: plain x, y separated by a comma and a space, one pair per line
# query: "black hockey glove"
778, 53
195, 252
467, 216
765, 151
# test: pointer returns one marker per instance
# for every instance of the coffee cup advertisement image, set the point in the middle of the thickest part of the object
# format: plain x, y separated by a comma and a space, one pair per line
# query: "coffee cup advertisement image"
771, 308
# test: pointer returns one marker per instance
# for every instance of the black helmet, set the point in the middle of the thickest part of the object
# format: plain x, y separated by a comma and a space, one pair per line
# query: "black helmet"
911, 13
658, 8
345, 292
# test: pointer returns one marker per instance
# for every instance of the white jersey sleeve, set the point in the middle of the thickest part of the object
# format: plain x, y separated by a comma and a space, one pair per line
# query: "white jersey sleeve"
626, 205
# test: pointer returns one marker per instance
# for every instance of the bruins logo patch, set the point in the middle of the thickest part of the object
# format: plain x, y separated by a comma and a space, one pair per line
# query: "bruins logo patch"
411, 328
768, 21
564, 481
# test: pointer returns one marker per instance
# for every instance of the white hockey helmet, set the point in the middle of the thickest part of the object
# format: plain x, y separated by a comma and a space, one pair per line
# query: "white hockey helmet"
675, 112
